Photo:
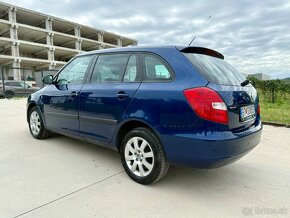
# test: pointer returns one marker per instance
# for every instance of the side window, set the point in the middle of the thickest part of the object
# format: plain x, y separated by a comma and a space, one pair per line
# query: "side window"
110, 68
75, 71
155, 69
131, 73
24, 85
16, 84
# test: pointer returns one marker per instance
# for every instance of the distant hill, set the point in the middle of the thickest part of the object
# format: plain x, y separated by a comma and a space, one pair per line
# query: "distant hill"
287, 80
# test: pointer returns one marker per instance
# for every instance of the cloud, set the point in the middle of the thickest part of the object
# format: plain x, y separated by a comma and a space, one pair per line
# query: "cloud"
254, 36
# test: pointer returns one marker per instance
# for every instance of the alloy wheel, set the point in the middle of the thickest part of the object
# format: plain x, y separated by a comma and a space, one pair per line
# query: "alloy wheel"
35, 124
139, 156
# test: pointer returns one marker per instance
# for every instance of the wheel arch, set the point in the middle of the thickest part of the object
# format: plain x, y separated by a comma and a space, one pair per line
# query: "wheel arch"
29, 107
127, 126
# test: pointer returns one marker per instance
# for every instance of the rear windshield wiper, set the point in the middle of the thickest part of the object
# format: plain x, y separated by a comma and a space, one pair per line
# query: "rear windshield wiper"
246, 82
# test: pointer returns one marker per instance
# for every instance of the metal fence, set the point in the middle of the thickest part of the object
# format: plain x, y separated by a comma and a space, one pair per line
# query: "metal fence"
21, 81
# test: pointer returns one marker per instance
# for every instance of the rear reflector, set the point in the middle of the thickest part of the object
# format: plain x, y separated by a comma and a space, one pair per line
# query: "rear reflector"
207, 104
258, 111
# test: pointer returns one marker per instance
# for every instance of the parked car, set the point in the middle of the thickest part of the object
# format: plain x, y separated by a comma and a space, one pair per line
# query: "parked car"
13, 88
154, 105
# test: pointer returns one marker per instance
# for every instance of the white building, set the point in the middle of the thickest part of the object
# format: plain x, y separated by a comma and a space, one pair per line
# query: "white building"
261, 76
29, 39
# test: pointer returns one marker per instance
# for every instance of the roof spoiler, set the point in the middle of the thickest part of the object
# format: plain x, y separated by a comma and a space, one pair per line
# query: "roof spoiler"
201, 50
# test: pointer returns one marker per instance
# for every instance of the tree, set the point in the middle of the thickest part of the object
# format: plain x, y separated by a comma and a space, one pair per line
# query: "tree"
273, 90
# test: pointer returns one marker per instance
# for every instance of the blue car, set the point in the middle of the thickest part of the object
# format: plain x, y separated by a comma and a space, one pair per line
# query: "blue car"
154, 105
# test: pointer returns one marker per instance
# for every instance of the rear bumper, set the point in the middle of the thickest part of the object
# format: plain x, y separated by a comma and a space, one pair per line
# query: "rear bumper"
212, 153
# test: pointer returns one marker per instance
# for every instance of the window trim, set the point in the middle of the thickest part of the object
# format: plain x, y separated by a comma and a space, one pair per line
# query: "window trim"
163, 61
138, 68
68, 63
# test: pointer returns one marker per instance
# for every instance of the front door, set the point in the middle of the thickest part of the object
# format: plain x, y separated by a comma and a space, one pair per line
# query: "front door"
61, 100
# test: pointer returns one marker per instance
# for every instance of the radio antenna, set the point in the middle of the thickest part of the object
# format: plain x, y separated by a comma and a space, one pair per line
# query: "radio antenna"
196, 34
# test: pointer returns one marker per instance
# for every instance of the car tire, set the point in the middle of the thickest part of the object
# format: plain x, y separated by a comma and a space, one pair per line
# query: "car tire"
36, 126
143, 156
9, 94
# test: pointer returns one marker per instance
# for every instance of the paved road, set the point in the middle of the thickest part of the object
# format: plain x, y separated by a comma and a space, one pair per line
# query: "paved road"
62, 177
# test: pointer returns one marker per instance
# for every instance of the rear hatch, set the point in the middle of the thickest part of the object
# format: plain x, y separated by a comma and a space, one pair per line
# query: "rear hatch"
239, 96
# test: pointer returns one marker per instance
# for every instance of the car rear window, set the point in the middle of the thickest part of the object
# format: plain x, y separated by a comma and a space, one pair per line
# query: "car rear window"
215, 70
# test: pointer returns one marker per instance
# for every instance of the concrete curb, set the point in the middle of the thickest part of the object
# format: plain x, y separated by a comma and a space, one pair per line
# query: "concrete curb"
276, 124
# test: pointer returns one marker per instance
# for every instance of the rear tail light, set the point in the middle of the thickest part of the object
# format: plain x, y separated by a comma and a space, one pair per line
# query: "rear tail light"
207, 104
258, 111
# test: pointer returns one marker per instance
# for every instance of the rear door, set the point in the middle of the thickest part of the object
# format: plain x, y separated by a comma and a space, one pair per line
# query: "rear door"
242, 101
104, 99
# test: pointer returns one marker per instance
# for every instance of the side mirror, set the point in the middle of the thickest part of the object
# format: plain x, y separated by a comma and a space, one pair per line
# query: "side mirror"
48, 79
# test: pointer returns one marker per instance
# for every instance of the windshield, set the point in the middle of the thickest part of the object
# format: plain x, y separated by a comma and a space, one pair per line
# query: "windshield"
24, 84
215, 70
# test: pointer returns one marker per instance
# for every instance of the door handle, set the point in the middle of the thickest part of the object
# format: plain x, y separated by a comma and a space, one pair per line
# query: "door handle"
73, 94
122, 95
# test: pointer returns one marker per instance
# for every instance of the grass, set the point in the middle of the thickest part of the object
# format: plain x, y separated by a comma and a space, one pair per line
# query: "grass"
275, 112
19, 97
15, 98
278, 112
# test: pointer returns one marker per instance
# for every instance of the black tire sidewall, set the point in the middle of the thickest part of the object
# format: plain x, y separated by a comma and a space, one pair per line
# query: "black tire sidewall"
150, 178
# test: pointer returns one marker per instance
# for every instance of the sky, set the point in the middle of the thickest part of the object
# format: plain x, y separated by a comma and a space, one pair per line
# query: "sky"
254, 36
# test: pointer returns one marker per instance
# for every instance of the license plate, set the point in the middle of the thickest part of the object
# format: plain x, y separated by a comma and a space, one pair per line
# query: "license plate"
247, 113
